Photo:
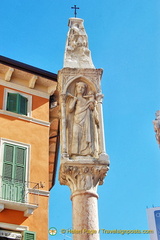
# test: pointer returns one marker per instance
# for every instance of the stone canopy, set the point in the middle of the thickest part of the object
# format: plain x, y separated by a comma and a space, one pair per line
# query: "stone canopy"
77, 53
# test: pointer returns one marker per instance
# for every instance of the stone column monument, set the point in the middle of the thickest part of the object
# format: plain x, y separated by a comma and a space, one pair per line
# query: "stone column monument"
84, 162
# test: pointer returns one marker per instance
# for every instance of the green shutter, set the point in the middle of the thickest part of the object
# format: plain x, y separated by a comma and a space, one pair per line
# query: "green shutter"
14, 162
23, 101
29, 235
14, 169
20, 163
19, 173
12, 102
17, 103
8, 161
20, 155
8, 152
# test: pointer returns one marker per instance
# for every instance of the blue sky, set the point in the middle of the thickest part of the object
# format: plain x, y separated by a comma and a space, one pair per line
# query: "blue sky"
124, 40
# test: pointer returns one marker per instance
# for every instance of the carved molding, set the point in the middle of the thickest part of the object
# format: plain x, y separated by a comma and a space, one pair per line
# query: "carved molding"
83, 176
99, 97
68, 75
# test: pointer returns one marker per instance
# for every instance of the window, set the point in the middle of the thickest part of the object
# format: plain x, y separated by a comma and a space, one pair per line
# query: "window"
29, 235
17, 103
26, 235
14, 172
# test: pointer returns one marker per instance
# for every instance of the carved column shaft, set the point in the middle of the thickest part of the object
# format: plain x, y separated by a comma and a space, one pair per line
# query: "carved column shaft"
85, 215
83, 181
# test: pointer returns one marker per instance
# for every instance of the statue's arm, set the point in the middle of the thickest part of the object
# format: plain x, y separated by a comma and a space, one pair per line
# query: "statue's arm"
72, 104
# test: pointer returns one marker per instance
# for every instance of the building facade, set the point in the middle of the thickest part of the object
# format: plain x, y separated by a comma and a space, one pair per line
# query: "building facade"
29, 140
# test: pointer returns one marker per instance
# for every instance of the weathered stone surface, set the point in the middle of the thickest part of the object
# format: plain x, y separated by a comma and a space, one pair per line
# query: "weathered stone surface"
83, 179
85, 216
82, 130
156, 123
77, 54
84, 162
83, 175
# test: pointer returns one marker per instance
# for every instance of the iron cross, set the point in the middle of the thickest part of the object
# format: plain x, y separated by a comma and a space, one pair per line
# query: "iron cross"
75, 10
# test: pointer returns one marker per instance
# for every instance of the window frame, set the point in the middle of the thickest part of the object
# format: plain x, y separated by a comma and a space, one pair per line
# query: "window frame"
27, 146
14, 163
17, 228
29, 232
29, 103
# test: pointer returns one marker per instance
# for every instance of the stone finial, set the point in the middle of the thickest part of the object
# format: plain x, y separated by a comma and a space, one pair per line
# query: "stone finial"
77, 53
156, 123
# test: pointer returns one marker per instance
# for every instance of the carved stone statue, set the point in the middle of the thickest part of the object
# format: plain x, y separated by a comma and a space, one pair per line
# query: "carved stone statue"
84, 123
77, 54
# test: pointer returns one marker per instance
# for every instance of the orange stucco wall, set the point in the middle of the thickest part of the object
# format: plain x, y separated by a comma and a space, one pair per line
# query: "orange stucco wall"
37, 136
40, 105
38, 222
1, 96
40, 108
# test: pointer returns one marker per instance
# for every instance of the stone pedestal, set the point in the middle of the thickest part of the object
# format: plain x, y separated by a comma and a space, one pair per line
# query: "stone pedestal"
83, 178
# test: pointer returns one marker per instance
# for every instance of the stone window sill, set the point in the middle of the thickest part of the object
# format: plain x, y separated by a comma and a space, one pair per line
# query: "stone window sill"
24, 207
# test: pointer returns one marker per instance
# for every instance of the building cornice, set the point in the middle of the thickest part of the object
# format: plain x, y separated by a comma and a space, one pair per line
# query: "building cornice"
28, 68
34, 80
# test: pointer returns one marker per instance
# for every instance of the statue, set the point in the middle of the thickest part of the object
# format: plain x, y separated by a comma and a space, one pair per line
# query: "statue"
77, 53
83, 130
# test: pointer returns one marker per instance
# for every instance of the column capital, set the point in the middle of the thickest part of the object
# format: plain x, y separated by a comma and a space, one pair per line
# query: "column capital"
99, 97
80, 176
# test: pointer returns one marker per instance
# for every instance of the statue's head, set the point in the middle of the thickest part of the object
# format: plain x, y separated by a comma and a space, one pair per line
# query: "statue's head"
81, 88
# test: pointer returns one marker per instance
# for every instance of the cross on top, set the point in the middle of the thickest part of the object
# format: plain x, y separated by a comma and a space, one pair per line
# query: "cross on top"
75, 10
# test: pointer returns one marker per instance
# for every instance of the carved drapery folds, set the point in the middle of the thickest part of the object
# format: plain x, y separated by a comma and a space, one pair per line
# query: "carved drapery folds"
81, 177
83, 122
156, 123
82, 133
